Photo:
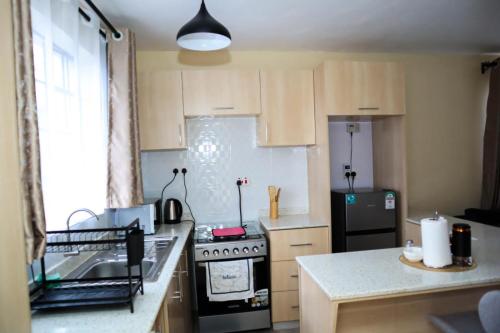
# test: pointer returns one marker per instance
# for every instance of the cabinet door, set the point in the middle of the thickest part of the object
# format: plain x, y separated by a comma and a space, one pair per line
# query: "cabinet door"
161, 116
364, 88
288, 244
186, 292
221, 92
287, 98
175, 313
173, 305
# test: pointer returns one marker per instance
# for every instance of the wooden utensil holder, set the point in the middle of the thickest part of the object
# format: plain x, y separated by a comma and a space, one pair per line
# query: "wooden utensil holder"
273, 210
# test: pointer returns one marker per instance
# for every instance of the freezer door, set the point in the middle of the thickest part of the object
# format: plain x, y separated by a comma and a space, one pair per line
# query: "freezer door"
368, 211
371, 242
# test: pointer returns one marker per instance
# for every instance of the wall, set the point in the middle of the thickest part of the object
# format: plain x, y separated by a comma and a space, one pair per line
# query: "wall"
362, 154
219, 151
445, 109
14, 303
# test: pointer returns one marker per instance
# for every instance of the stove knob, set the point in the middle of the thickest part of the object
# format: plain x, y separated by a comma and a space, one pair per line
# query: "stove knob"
245, 249
226, 252
236, 251
255, 249
206, 253
216, 253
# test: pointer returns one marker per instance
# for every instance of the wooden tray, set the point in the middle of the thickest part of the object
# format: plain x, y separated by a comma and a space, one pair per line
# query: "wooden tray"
450, 268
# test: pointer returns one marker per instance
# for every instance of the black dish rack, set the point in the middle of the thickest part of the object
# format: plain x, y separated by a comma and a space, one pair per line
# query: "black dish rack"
91, 292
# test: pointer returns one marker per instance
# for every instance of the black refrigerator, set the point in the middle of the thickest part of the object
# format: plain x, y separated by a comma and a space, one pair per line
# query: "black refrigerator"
364, 219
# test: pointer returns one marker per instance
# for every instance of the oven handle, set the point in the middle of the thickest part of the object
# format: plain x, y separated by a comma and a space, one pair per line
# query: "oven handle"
203, 263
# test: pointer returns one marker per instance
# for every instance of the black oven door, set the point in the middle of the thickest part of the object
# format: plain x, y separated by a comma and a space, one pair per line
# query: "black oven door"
259, 302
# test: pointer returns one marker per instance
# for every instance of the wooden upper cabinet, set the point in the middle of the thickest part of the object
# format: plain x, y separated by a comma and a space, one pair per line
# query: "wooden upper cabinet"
287, 99
362, 88
161, 117
221, 92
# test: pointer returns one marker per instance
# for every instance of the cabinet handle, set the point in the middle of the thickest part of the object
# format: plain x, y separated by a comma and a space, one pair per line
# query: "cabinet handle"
180, 134
369, 109
178, 296
185, 254
302, 244
267, 133
294, 276
294, 306
179, 278
223, 108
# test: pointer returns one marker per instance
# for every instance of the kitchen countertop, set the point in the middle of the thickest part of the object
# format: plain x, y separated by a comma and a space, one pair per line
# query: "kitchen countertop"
120, 319
291, 222
352, 275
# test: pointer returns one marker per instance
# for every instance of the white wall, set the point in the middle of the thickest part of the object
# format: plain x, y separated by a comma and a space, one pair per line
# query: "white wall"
219, 151
362, 155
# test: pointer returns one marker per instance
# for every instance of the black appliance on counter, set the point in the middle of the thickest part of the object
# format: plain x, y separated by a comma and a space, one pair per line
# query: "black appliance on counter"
92, 292
364, 219
172, 211
234, 315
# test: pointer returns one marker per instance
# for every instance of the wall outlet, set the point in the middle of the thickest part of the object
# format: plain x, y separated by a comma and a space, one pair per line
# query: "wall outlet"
244, 181
352, 127
346, 167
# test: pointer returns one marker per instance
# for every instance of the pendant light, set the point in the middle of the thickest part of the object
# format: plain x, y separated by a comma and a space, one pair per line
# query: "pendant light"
203, 33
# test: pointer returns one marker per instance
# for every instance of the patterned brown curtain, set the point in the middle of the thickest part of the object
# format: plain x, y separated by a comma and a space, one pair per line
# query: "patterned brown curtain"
124, 155
490, 198
29, 144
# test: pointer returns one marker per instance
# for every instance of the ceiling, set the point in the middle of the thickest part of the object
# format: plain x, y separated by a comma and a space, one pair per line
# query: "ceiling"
462, 26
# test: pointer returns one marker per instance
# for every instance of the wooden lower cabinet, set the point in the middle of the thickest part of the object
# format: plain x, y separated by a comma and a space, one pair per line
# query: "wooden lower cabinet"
175, 314
285, 305
288, 244
284, 275
285, 245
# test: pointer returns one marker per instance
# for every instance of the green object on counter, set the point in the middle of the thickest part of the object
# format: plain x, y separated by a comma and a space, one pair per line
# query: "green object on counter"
51, 278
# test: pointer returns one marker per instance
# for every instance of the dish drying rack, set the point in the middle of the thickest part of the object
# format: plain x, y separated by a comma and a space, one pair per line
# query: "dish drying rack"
86, 292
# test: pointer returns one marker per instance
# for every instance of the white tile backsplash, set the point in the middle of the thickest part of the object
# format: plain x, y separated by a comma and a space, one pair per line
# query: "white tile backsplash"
219, 151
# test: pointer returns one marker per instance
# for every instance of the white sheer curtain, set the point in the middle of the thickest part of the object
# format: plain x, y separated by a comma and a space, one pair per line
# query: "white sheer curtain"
71, 99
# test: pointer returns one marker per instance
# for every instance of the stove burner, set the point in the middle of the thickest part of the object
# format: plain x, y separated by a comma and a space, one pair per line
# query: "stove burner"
232, 234
219, 233
222, 242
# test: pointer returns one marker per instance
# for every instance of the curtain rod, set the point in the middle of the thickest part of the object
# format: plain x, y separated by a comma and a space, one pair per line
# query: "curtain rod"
116, 34
87, 18
485, 65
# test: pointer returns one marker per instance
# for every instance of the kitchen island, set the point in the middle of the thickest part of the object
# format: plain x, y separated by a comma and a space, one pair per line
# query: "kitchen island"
372, 291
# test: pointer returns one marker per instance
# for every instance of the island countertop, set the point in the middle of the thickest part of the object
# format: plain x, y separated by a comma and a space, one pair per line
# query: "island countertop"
120, 319
365, 274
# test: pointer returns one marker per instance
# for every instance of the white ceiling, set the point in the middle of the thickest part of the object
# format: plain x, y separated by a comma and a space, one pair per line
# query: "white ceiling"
465, 26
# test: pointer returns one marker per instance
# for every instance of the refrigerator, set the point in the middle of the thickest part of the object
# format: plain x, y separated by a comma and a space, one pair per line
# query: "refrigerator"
364, 219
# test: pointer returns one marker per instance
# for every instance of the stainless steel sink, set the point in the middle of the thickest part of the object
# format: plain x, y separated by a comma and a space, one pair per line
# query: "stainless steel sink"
109, 264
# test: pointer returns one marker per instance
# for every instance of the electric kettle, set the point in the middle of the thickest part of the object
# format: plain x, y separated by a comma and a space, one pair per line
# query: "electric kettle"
173, 211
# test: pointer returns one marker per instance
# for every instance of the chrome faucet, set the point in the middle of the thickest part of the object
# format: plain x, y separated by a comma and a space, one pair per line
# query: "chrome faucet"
77, 252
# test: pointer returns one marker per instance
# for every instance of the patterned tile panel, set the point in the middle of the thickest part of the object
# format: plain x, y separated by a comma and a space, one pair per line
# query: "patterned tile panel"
219, 151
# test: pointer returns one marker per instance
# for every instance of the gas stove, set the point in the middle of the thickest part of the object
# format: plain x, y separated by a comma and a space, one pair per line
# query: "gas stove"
210, 248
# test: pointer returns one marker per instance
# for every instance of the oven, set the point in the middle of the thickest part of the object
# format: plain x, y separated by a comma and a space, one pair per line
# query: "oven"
233, 315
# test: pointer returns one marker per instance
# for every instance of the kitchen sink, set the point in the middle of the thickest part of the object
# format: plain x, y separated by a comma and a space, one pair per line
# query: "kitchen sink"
114, 268
109, 264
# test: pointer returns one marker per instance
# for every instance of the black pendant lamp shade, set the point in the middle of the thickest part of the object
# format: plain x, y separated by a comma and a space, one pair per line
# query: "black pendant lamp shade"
203, 33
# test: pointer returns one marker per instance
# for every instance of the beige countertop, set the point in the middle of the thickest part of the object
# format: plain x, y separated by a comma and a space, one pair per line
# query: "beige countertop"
120, 319
353, 275
291, 222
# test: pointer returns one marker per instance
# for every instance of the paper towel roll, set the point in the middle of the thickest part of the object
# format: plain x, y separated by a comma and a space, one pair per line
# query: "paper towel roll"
435, 242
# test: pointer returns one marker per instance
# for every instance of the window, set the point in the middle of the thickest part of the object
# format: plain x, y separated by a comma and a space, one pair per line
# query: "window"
70, 73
